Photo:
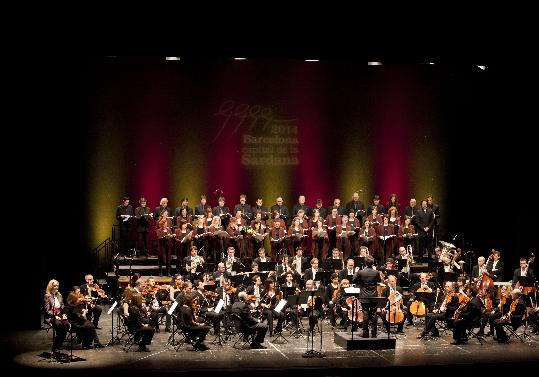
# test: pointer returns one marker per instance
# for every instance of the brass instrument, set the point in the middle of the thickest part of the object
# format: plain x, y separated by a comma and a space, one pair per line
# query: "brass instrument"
410, 254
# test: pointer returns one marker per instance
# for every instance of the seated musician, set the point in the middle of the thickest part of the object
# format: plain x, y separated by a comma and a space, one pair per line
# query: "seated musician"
54, 314
349, 270
230, 259
467, 317
189, 320
514, 316
249, 324
393, 290
331, 292
156, 295
206, 300
338, 304
261, 256
437, 255
298, 261
90, 288
449, 265
256, 288
424, 285
221, 274
227, 293
480, 268
192, 262
502, 308
283, 267
336, 255
269, 300
445, 312
310, 273
139, 323
78, 307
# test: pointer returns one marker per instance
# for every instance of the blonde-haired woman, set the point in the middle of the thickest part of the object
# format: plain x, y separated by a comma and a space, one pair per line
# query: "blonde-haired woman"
53, 311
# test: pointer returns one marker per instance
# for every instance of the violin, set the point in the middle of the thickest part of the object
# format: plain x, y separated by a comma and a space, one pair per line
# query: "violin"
210, 293
230, 290
250, 298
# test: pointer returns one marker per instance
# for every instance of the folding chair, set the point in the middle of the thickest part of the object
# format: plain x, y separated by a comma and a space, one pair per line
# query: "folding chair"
471, 334
512, 332
246, 336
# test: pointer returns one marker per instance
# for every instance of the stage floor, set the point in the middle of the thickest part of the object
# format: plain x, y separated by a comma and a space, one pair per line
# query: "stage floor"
27, 350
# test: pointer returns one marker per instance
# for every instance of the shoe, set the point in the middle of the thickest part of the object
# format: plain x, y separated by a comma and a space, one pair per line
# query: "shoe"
436, 334
202, 347
422, 335
86, 346
143, 348
262, 347
98, 345
168, 330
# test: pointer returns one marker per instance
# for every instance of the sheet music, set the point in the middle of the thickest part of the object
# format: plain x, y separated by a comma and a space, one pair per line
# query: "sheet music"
172, 308
351, 290
112, 307
280, 305
219, 306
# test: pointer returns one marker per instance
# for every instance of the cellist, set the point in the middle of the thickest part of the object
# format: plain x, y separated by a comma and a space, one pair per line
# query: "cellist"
394, 309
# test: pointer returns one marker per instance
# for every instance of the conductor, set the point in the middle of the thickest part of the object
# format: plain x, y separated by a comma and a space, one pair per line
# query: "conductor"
367, 280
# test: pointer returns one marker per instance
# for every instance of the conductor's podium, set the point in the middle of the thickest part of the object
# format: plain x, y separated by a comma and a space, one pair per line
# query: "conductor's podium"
344, 339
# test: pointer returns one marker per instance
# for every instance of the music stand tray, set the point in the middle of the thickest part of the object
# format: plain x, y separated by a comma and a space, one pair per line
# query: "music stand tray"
324, 277
434, 266
359, 262
266, 266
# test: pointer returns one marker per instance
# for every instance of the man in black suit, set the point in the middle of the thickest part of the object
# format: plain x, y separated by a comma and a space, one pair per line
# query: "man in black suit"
425, 222
279, 207
495, 266
94, 310
356, 206
243, 207
367, 280
470, 314
301, 205
436, 211
249, 324
124, 215
349, 271
376, 203
260, 208
411, 211
337, 205
200, 209
524, 270
163, 206
310, 273
184, 204
223, 212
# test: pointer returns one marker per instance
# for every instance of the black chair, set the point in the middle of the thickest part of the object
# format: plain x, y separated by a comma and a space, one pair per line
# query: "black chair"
126, 333
245, 335
470, 333
183, 332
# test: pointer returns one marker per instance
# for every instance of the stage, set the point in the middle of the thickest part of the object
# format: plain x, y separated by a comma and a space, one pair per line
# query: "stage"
28, 351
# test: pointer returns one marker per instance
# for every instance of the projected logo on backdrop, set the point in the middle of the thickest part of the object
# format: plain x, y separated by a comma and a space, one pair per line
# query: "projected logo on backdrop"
266, 139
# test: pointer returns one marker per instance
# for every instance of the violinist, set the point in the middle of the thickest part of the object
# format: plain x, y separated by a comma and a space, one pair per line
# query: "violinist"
268, 302
314, 305
424, 285
226, 293
256, 289
77, 306
467, 314
331, 292
206, 299
53, 312
249, 324
444, 311
156, 295
339, 306
513, 317
394, 294
502, 308
93, 290
138, 323
495, 266
197, 330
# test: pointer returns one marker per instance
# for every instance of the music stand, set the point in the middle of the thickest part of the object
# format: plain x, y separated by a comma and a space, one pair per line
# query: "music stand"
237, 280
393, 272
449, 276
526, 282
281, 306
359, 262
324, 277
435, 266
352, 291
294, 300
426, 297
312, 295
401, 263
267, 266
238, 267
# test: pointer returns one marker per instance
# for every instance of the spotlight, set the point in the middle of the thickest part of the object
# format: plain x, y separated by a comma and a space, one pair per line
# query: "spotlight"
374, 63
312, 60
172, 58
240, 58
482, 67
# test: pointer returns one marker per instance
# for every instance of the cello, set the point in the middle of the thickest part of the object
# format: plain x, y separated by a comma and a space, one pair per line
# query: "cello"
395, 315
418, 308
